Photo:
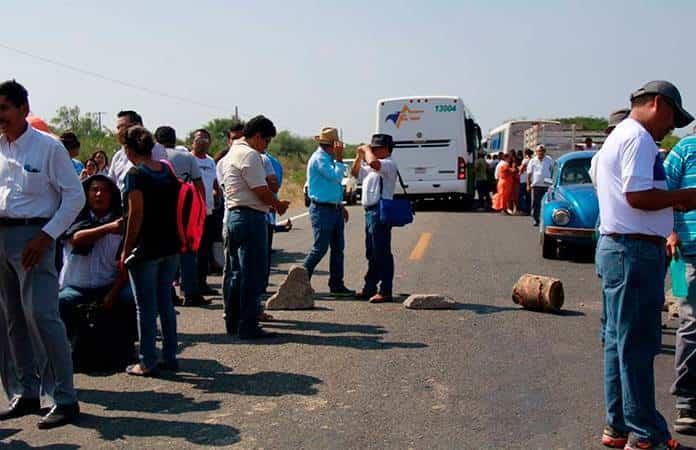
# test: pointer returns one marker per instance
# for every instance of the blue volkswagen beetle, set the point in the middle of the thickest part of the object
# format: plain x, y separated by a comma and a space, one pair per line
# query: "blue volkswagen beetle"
569, 209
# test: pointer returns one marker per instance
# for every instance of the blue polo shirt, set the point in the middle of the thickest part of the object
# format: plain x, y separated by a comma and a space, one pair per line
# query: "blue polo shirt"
324, 176
680, 168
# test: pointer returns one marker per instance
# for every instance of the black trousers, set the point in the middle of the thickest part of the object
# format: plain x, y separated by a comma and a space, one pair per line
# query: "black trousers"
537, 194
205, 250
271, 230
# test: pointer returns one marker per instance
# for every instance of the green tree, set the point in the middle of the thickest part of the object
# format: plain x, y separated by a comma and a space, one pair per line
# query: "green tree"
86, 127
585, 122
669, 141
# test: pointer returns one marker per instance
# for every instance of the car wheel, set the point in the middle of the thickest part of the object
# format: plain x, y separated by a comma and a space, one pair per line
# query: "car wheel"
549, 248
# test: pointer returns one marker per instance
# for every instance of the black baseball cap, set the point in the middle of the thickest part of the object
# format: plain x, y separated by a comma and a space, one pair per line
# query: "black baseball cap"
382, 140
666, 89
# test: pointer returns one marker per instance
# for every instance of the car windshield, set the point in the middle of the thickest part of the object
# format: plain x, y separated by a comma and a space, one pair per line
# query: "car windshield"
576, 171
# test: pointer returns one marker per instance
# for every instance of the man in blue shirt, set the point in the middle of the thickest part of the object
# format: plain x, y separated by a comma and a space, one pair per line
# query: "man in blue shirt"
325, 171
680, 169
271, 216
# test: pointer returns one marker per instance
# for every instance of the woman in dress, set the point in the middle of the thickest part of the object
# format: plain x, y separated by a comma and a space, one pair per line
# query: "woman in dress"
502, 200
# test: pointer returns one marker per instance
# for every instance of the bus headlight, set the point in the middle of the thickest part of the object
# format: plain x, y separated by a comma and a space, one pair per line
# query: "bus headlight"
561, 216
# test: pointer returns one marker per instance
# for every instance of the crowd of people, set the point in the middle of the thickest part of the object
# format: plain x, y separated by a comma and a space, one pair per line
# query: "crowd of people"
109, 236
101, 245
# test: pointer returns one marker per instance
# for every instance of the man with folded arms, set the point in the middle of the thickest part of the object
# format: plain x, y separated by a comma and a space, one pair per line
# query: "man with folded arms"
40, 196
636, 215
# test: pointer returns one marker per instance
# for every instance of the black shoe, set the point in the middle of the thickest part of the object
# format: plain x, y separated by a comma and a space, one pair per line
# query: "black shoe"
260, 333
365, 295
342, 292
20, 406
172, 366
207, 290
196, 300
535, 224
686, 422
59, 415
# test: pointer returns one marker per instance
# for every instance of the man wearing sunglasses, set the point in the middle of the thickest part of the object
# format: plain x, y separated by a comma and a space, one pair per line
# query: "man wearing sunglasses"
248, 199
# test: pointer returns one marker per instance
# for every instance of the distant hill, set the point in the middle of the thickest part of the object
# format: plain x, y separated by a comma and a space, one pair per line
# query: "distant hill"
585, 122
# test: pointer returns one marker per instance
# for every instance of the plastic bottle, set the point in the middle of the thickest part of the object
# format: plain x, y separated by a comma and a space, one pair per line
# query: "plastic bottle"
677, 269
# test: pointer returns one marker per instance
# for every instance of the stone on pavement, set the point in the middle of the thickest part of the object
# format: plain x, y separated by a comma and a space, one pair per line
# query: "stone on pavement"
429, 301
295, 292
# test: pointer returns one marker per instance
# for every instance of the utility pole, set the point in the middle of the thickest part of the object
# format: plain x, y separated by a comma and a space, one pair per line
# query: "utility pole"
99, 118
236, 112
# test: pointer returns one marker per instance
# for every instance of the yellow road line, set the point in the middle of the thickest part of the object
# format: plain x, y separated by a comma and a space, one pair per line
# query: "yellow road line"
421, 247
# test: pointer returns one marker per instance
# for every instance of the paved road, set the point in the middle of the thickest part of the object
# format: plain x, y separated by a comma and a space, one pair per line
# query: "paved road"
354, 375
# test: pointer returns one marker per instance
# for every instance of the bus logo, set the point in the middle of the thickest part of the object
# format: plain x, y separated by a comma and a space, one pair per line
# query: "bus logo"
404, 115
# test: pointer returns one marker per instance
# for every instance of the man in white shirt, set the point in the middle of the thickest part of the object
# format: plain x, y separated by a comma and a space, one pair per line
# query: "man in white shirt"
206, 165
120, 165
40, 196
635, 218
538, 172
186, 168
377, 173
248, 199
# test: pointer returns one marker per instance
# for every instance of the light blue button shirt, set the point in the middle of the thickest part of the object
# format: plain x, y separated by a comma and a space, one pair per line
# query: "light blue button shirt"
324, 176
680, 169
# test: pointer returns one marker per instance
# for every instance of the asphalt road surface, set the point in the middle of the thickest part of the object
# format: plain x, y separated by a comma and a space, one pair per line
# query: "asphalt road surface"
353, 375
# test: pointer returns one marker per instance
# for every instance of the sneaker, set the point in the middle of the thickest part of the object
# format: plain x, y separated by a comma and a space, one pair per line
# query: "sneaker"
613, 438
635, 443
342, 292
686, 422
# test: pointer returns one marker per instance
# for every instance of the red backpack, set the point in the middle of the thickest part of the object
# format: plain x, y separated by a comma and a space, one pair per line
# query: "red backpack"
190, 213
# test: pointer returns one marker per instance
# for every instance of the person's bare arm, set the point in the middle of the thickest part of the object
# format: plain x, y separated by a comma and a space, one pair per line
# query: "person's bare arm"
84, 238
135, 222
355, 168
272, 181
656, 199
371, 159
266, 196
200, 187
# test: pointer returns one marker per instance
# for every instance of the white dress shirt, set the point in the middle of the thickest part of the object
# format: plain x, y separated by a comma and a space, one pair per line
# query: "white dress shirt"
38, 180
539, 170
377, 185
120, 164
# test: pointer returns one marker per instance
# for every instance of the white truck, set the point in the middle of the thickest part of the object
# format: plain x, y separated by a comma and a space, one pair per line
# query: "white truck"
436, 142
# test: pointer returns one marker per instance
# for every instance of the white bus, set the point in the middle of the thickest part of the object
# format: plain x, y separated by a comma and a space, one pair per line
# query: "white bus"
510, 135
436, 141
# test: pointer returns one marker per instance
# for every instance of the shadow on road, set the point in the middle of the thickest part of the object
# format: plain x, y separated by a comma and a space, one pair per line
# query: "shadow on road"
118, 428
326, 327
484, 309
21, 445
212, 377
147, 401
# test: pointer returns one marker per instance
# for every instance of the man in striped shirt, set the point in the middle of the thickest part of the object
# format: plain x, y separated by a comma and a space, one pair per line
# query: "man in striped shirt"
680, 169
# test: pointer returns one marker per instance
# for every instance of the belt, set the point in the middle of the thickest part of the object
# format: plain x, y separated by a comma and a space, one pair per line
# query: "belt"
328, 205
658, 240
245, 208
11, 222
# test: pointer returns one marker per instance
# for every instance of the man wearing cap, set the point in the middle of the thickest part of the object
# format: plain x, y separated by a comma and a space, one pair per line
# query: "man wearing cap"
614, 119
40, 196
680, 168
538, 173
377, 173
325, 171
635, 218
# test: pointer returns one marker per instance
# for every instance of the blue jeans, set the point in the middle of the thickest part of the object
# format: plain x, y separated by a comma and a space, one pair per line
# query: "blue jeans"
380, 261
632, 273
189, 274
684, 386
327, 228
69, 298
247, 253
151, 281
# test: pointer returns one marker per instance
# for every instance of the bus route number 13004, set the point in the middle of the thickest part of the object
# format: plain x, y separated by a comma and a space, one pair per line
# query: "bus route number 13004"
445, 108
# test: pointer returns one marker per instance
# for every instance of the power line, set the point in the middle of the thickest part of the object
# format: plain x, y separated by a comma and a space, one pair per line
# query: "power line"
112, 80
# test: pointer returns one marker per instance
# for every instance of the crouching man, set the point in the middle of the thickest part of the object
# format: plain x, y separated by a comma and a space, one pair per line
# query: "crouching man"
90, 274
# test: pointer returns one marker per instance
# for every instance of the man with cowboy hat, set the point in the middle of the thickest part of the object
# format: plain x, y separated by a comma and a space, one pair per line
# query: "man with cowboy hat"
325, 171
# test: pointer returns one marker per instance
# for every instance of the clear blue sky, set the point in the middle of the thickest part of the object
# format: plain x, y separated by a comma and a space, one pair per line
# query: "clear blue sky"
305, 64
